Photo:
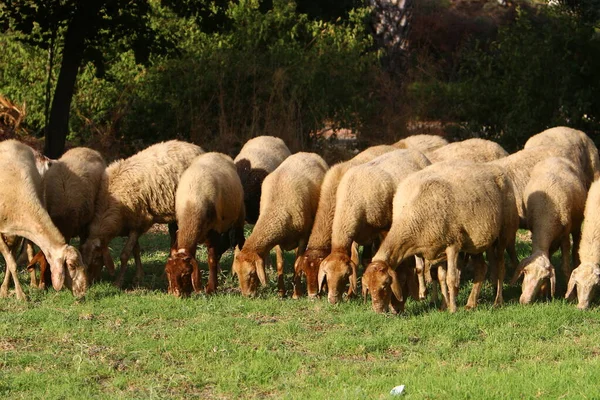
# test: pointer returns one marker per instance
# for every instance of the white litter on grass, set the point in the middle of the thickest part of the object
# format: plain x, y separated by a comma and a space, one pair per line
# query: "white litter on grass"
397, 391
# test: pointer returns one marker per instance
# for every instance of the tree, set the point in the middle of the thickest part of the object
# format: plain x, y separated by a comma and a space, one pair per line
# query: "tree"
84, 27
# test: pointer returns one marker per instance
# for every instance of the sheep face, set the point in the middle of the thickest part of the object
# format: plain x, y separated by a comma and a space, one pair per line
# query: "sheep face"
96, 255
536, 270
309, 263
183, 274
69, 260
337, 269
382, 282
586, 278
250, 269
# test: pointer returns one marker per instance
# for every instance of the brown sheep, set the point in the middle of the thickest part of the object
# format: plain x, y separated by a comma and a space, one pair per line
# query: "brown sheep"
209, 202
134, 194
319, 243
288, 204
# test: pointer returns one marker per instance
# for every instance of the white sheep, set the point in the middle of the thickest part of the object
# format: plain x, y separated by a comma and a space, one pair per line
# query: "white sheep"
475, 149
70, 189
586, 277
363, 212
444, 209
134, 194
555, 200
209, 202
319, 242
22, 214
288, 204
422, 143
583, 150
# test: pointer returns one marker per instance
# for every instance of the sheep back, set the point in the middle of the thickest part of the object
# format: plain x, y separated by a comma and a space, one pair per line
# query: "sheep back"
423, 143
476, 150
259, 157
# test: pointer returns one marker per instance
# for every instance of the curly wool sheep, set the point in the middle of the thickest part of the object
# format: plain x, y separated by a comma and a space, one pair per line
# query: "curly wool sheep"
447, 208
422, 143
22, 214
476, 150
288, 204
319, 242
555, 198
134, 194
583, 151
70, 190
209, 202
586, 277
363, 212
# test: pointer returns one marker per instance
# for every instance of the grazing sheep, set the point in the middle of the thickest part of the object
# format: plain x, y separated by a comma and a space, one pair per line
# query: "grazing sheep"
319, 243
209, 202
288, 204
586, 277
363, 212
134, 194
555, 200
70, 190
423, 143
258, 158
440, 211
583, 150
476, 150
22, 214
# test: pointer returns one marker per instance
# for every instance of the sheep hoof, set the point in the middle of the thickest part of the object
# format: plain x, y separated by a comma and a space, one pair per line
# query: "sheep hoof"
21, 295
470, 306
4, 292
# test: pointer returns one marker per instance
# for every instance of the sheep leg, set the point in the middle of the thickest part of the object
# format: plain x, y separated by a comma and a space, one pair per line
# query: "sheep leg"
479, 276
576, 241
5, 283
496, 257
215, 251
420, 271
11, 267
139, 268
279, 263
298, 292
124, 258
512, 254
441, 271
565, 249
452, 278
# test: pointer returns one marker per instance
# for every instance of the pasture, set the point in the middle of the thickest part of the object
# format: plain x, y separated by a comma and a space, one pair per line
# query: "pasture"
142, 343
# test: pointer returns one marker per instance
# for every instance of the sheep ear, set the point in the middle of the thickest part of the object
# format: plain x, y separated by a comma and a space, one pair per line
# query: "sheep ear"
195, 276
396, 288
298, 264
108, 261
571, 285
260, 271
365, 290
353, 277
321, 276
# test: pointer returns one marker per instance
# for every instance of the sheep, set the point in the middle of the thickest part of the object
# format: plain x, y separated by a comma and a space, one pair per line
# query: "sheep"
555, 200
583, 150
363, 211
423, 143
257, 159
22, 214
70, 189
319, 242
586, 277
209, 202
134, 194
288, 204
440, 211
475, 149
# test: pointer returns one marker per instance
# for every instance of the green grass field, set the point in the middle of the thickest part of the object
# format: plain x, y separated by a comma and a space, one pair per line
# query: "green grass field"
142, 343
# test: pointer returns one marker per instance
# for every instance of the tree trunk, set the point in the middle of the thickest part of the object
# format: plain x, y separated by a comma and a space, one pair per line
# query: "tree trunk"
80, 27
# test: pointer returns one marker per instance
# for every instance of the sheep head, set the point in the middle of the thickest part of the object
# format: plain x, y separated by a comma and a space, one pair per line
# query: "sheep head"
309, 263
586, 277
96, 255
536, 269
383, 283
337, 270
183, 273
67, 268
250, 269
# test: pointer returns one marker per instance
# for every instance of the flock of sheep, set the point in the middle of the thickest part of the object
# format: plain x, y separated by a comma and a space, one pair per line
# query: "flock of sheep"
417, 207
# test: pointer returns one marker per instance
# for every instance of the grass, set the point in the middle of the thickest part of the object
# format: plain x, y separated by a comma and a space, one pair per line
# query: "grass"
143, 343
